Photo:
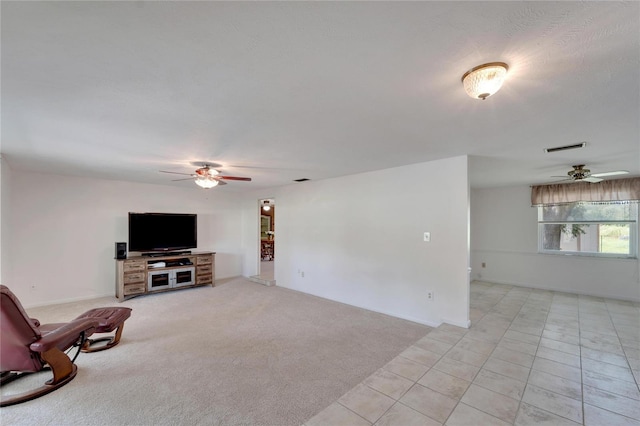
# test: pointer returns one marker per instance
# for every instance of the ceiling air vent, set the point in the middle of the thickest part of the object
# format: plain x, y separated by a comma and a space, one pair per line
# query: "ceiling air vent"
301, 180
564, 148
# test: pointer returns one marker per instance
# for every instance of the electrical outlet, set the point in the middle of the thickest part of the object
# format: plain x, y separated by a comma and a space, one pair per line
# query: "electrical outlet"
427, 237
430, 296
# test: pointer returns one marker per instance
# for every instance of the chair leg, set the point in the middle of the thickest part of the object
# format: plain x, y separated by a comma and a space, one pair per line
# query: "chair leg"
60, 364
111, 341
63, 372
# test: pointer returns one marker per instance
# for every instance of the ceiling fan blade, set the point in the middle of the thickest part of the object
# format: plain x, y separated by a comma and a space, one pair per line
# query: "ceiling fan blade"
614, 173
592, 179
246, 179
178, 180
220, 182
176, 173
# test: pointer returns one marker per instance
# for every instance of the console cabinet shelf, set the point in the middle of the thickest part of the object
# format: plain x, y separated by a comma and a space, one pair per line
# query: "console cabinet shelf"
139, 275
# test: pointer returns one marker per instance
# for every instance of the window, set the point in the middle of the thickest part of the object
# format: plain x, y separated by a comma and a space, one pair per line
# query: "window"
590, 229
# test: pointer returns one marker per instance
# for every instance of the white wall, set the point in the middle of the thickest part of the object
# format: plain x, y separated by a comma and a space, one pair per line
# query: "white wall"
504, 235
63, 231
5, 178
359, 240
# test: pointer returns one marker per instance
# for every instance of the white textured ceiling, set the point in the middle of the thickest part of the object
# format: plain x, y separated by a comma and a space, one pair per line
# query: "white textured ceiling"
285, 90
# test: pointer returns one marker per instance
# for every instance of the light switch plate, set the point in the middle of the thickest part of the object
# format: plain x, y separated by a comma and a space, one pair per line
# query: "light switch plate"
427, 236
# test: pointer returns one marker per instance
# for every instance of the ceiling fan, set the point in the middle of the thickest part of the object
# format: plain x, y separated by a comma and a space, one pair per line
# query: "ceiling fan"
581, 174
207, 177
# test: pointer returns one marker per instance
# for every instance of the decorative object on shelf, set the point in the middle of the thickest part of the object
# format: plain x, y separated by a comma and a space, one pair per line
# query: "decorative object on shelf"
484, 80
270, 235
267, 250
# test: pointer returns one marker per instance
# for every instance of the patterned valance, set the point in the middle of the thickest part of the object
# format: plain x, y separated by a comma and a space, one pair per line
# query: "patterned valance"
608, 191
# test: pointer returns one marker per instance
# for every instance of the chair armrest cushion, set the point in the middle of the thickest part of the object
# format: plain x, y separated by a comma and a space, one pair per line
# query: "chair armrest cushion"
63, 337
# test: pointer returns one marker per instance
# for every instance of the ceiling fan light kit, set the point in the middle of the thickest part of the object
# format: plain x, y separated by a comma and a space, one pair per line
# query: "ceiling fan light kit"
579, 172
207, 171
207, 177
484, 80
206, 183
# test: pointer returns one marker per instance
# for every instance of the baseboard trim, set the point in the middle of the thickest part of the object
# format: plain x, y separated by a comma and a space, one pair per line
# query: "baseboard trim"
367, 308
257, 279
537, 287
464, 324
70, 300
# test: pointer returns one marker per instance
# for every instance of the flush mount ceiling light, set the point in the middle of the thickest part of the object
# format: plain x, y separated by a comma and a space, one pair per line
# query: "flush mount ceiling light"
484, 80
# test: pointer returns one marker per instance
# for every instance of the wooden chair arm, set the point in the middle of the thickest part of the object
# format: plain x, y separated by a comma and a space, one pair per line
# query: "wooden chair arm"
63, 337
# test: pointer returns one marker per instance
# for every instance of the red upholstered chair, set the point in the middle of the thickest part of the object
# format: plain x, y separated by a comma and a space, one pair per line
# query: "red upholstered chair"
25, 348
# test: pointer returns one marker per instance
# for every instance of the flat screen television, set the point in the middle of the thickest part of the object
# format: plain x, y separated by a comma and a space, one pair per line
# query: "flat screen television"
150, 232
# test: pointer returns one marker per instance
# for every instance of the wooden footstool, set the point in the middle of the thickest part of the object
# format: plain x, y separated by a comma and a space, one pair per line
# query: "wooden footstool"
110, 318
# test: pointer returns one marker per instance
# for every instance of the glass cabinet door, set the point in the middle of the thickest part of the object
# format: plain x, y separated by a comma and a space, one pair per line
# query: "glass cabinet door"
159, 280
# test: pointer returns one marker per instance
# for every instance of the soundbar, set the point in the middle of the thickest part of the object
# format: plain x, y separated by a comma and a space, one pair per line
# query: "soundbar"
166, 253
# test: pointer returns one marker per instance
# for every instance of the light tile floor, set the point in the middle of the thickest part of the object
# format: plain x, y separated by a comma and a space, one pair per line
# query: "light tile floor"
266, 276
531, 357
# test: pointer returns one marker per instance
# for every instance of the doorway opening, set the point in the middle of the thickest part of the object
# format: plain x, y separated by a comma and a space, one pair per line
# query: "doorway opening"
266, 242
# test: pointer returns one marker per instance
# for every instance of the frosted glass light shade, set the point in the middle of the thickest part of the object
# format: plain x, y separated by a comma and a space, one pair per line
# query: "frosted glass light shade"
206, 182
484, 80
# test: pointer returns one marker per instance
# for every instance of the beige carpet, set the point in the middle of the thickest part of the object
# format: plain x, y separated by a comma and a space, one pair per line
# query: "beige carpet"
237, 354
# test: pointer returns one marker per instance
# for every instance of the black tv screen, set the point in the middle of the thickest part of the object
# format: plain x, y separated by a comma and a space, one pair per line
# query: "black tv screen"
162, 231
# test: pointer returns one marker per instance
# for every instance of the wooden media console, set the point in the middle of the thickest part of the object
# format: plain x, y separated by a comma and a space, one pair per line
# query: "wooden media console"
139, 275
